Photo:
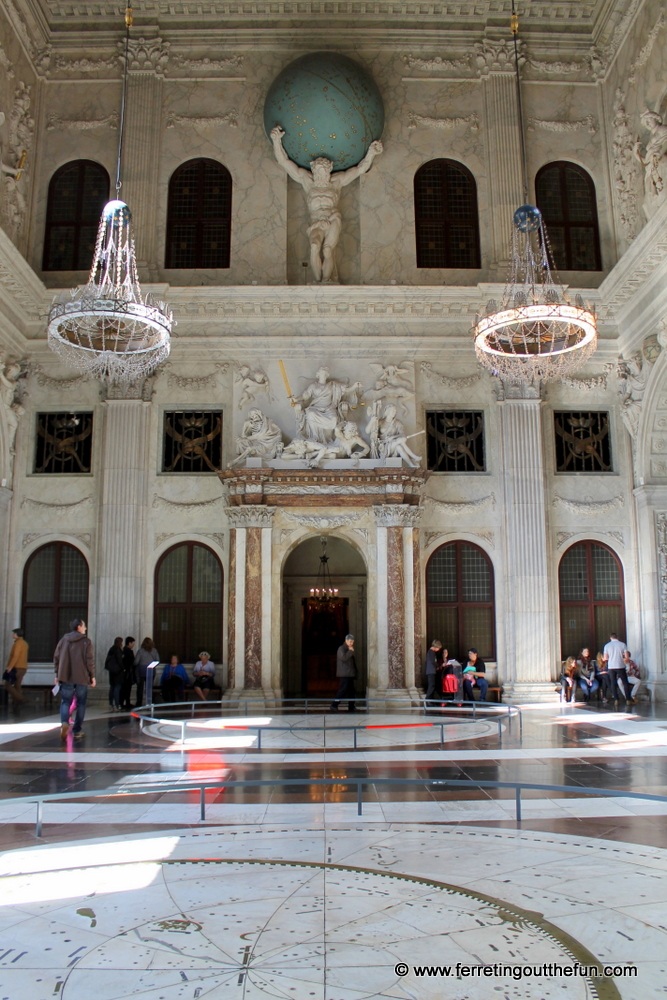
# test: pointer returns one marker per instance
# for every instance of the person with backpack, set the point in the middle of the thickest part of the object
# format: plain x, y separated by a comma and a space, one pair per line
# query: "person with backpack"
114, 664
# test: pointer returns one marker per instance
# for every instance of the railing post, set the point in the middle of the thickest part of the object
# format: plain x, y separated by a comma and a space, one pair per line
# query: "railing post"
259, 738
518, 804
38, 822
183, 725
442, 735
359, 799
474, 708
500, 730
354, 733
202, 803
192, 710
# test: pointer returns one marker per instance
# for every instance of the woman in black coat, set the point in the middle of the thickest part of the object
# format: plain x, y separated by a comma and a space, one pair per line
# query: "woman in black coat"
114, 664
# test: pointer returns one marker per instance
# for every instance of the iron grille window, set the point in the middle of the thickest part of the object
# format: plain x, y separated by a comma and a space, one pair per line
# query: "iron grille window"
582, 441
192, 441
446, 221
455, 440
591, 598
199, 215
64, 442
55, 590
78, 192
565, 195
188, 605
460, 609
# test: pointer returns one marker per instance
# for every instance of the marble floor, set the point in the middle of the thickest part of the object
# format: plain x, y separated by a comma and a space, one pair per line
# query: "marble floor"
284, 891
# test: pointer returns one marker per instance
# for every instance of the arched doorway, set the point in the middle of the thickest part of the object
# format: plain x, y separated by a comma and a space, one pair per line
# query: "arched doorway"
460, 608
311, 635
55, 590
592, 603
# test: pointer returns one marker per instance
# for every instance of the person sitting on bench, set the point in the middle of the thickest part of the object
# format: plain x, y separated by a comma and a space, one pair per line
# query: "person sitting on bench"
473, 676
174, 681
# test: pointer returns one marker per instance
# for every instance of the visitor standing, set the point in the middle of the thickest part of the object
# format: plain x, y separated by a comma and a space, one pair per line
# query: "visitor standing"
114, 664
346, 670
613, 654
431, 669
17, 664
74, 662
147, 654
127, 681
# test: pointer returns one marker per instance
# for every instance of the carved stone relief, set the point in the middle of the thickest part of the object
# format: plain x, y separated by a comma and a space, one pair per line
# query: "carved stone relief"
625, 167
390, 515
321, 520
437, 64
44, 506
661, 527
196, 381
250, 516
646, 50
207, 65
146, 55
452, 383
184, 505
463, 506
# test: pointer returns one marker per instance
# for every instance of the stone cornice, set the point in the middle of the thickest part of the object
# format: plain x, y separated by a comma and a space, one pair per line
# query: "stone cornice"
323, 488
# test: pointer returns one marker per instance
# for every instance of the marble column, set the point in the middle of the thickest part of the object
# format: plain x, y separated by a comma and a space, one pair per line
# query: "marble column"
529, 658
651, 548
504, 157
6, 497
122, 513
250, 604
141, 152
397, 623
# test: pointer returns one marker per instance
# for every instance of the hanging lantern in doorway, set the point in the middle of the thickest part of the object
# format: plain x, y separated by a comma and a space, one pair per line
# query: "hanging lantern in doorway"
323, 591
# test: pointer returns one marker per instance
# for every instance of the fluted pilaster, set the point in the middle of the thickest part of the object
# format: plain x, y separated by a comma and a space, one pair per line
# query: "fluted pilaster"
505, 172
140, 160
529, 656
122, 520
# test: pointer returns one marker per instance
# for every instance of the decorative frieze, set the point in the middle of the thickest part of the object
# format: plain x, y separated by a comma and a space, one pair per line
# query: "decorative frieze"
321, 521
206, 65
437, 64
645, 53
462, 382
626, 166
324, 488
196, 381
661, 528
464, 506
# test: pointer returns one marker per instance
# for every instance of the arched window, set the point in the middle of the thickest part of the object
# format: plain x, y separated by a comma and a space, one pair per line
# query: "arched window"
591, 597
459, 600
78, 192
188, 603
199, 215
55, 590
446, 221
565, 196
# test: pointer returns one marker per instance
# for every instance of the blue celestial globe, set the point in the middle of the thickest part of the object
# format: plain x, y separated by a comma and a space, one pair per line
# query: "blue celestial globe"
527, 219
329, 106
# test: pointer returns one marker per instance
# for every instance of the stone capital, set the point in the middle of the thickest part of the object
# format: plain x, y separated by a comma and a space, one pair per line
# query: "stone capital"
250, 516
397, 515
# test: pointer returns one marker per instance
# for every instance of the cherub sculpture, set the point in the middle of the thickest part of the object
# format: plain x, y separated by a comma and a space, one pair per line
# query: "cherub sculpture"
252, 384
322, 189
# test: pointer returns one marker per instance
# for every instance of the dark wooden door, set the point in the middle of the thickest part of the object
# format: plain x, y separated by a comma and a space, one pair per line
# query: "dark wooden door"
324, 630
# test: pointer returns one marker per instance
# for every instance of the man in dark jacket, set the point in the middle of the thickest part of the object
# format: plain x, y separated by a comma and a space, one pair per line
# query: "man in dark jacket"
346, 669
432, 666
75, 672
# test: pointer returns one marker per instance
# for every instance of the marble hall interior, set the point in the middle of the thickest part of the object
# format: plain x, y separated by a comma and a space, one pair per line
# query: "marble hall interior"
319, 319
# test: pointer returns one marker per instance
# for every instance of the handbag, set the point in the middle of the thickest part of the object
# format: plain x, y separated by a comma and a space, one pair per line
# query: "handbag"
10, 676
450, 684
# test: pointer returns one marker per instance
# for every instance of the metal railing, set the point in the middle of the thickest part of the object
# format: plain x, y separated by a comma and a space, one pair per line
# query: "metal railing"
358, 783
509, 713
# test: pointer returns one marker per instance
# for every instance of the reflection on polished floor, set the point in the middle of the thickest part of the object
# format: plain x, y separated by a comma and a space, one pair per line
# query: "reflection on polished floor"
284, 891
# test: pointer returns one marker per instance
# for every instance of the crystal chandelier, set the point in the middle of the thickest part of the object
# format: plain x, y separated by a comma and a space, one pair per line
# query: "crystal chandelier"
108, 329
323, 592
536, 332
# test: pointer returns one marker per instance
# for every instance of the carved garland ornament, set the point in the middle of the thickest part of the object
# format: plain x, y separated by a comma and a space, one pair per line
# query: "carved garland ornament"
589, 506
54, 121
184, 505
196, 381
443, 123
54, 508
462, 507
452, 383
661, 526
201, 121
